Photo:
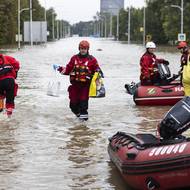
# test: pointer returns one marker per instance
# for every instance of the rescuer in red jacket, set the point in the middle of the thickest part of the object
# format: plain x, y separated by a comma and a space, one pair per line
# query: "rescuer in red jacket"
148, 63
9, 67
81, 68
183, 47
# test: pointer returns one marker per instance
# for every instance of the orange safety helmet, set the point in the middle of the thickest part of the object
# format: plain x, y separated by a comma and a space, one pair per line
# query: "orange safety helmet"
84, 44
182, 44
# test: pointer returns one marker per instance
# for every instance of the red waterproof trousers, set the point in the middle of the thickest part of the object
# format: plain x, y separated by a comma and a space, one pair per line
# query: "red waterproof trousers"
79, 96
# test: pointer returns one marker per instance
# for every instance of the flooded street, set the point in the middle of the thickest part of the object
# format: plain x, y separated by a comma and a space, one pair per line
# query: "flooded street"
44, 147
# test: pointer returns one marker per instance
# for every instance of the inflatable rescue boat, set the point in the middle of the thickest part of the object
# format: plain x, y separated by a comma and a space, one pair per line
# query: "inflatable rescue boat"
167, 92
147, 163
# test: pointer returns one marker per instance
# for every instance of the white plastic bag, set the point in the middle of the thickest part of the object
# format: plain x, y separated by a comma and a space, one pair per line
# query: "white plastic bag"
53, 88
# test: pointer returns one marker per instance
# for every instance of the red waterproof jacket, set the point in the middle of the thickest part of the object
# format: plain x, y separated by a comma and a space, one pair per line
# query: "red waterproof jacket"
9, 62
81, 68
148, 64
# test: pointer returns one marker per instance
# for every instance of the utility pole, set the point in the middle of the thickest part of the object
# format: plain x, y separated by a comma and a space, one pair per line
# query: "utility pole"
45, 15
117, 32
31, 34
53, 26
19, 13
129, 25
144, 25
18, 24
181, 9
111, 24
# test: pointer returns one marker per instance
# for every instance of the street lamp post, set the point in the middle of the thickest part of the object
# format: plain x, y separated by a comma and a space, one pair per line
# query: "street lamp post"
19, 12
104, 25
45, 15
181, 9
117, 32
53, 26
111, 25
129, 25
31, 32
144, 25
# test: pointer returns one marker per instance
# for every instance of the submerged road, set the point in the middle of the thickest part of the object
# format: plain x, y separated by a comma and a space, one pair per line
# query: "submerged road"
44, 147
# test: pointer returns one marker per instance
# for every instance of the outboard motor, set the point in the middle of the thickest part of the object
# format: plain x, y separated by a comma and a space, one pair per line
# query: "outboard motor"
165, 74
176, 121
164, 71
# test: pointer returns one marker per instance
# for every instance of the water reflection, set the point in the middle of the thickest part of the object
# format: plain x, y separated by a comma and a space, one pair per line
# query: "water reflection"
116, 179
150, 116
82, 153
9, 158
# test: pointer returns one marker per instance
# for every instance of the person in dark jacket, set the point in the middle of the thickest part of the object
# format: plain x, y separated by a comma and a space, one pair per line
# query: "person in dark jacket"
9, 67
184, 64
183, 47
81, 68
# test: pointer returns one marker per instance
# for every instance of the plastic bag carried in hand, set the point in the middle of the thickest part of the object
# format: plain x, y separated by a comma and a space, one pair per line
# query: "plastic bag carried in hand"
97, 89
53, 88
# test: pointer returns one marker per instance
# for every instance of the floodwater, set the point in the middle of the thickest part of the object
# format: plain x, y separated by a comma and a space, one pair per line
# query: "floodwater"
44, 147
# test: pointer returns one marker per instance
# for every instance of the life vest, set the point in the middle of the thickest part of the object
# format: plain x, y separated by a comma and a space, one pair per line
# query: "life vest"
81, 72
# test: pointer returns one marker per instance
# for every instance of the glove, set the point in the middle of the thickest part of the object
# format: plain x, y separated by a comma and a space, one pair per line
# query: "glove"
166, 62
56, 67
61, 70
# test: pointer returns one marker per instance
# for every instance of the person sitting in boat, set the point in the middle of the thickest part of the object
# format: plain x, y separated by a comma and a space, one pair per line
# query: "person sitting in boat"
9, 67
149, 66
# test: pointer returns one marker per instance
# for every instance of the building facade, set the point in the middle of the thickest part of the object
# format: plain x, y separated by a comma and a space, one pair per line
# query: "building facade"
111, 6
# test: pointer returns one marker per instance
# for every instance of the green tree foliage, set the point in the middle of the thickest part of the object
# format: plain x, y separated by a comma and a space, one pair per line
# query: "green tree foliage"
162, 21
7, 21
154, 21
136, 25
83, 28
122, 25
9, 18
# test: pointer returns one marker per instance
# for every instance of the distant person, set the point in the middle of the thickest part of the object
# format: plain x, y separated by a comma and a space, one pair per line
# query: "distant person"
149, 65
185, 66
9, 67
183, 47
81, 68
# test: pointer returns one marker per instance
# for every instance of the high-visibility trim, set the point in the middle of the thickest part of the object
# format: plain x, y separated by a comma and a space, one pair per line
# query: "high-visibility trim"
83, 116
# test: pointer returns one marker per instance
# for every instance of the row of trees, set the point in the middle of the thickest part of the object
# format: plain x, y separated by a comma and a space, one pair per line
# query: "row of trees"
162, 22
8, 19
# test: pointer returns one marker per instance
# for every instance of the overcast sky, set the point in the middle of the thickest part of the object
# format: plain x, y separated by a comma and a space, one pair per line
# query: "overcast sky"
80, 10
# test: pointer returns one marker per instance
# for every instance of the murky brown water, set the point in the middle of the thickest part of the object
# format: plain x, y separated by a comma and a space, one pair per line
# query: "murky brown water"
43, 147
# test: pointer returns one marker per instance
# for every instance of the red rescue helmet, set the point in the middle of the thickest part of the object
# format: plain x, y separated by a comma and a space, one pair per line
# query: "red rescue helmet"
182, 45
84, 44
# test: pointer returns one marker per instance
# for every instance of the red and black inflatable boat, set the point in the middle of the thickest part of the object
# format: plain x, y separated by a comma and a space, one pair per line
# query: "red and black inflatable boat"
158, 95
145, 162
